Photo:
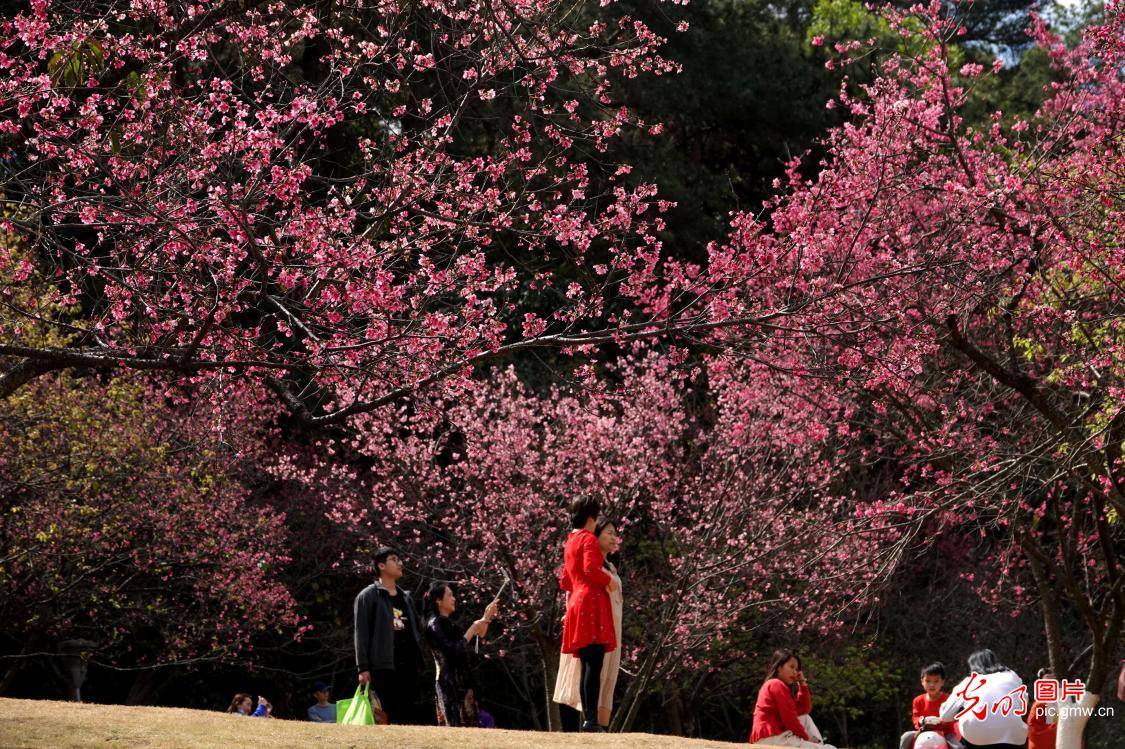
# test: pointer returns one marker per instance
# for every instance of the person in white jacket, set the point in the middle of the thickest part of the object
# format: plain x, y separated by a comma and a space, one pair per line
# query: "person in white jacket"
989, 682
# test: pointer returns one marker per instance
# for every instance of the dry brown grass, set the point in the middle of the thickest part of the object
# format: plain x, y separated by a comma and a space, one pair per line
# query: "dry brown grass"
42, 724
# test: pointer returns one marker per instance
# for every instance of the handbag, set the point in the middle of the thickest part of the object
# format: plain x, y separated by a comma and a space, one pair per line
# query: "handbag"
381, 718
357, 710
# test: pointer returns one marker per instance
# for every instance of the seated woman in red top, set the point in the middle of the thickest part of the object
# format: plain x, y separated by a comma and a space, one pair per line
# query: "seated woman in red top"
779, 718
588, 630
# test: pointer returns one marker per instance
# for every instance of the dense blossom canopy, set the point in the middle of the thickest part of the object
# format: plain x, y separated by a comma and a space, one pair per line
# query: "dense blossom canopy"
348, 214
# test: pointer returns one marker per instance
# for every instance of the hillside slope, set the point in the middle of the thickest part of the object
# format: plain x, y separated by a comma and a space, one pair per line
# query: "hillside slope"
40, 724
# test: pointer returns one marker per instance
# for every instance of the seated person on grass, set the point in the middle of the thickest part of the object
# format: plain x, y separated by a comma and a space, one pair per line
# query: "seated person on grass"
243, 704
323, 711
780, 718
926, 706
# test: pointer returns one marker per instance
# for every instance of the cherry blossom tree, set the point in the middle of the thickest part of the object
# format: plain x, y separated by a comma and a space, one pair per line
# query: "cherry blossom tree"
126, 517
125, 524
358, 210
984, 366
726, 520
345, 203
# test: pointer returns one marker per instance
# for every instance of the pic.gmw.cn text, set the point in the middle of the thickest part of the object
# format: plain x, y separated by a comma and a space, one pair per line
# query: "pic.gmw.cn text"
1060, 698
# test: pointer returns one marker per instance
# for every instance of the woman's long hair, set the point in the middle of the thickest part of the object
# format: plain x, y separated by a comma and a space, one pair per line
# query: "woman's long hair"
984, 662
431, 597
779, 659
238, 699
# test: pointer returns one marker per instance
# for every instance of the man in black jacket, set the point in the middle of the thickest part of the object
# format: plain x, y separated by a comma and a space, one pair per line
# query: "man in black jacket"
388, 641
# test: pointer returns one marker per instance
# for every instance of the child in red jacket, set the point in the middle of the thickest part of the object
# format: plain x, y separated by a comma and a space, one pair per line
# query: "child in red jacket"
926, 706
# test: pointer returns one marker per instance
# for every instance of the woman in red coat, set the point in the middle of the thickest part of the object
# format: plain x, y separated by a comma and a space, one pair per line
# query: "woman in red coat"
780, 719
588, 630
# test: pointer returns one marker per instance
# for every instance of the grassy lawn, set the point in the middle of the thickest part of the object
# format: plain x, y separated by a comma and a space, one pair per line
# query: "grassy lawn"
58, 725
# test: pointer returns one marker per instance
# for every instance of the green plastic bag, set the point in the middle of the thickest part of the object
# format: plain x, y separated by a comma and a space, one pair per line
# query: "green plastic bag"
356, 711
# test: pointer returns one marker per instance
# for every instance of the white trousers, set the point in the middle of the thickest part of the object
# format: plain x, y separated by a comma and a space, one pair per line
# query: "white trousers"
788, 739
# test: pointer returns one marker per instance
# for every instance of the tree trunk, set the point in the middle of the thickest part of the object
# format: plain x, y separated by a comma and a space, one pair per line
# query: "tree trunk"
1048, 607
549, 657
17, 664
10, 676
627, 712
550, 674
674, 711
536, 722
1072, 723
146, 686
638, 688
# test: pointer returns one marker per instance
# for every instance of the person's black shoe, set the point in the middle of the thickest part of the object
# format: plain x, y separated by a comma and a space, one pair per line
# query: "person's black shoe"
590, 726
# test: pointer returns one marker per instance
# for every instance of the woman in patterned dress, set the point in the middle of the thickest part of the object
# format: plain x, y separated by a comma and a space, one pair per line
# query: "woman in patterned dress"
449, 644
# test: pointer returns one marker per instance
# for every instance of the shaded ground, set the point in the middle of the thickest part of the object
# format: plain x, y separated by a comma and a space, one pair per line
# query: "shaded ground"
59, 725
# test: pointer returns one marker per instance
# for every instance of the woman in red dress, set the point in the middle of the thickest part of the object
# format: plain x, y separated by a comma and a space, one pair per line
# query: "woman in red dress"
588, 630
